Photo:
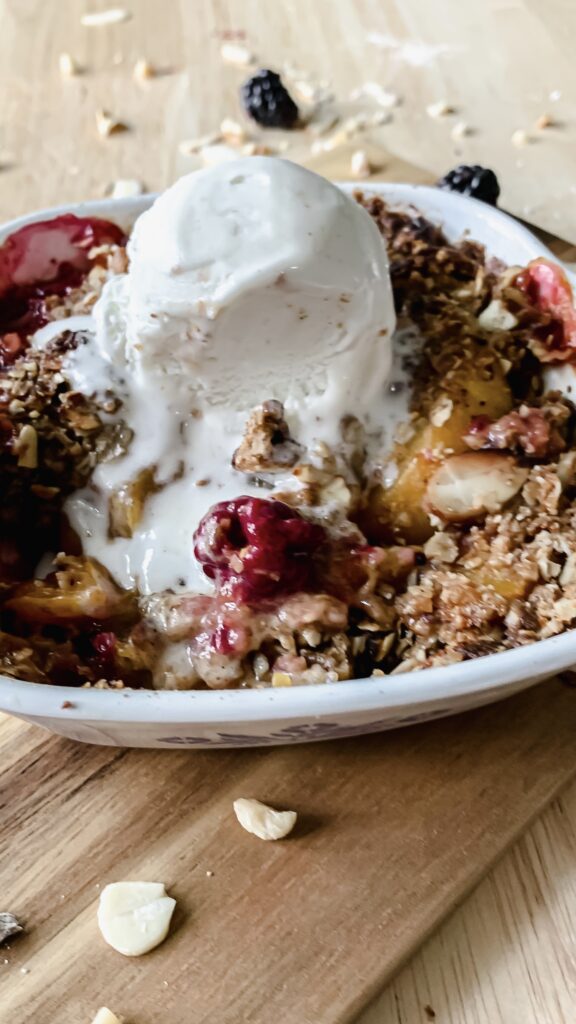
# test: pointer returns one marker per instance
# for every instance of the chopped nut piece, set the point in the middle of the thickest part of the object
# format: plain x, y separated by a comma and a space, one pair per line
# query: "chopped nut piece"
68, 66
125, 188
470, 485
439, 109
107, 124
264, 821
441, 412
544, 121
520, 137
496, 317
26, 447
235, 53
376, 92
143, 70
360, 166
188, 147
105, 1016
460, 130
134, 917
9, 926
112, 16
231, 131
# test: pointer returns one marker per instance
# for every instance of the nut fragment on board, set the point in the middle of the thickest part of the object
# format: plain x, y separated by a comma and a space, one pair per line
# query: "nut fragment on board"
376, 92
125, 188
9, 926
235, 53
232, 131
189, 147
134, 917
107, 124
105, 1016
263, 821
440, 109
68, 66
360, 166
143, 70
460, 130
545, 121
111, 16
520, 138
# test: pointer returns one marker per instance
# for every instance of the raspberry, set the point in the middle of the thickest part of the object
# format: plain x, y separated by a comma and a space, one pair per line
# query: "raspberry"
256, 549
478, 182
268, 101
45, 258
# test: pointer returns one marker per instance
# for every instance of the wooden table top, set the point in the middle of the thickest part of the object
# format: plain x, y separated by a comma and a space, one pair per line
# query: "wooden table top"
507, 955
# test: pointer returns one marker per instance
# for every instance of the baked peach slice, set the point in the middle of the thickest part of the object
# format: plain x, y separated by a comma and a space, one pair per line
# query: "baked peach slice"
399, 511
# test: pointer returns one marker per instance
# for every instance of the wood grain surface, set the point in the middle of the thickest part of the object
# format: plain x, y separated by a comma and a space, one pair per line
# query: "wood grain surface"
393, 830
322, 919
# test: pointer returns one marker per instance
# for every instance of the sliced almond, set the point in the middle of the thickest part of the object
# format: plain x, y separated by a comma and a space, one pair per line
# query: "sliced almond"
134, 917
264, 821
26, 447
105, 1016
471, 485
111, 16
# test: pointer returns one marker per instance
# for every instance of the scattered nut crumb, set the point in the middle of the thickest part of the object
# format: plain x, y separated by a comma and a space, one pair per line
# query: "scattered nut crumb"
9, 926
68, 66
257, 149
460, 130
112, 16
235, 53
107, 124
264, 821
520, 137
143, 70
24, 970
376, 92
105, 1016
67, 704
360, 166
189, 147
544, 121
210, 874
430, 1013
124, 188
439, 109
232, 131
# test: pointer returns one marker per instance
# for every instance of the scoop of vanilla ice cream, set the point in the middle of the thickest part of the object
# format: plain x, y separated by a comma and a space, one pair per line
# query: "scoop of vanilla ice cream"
250, 281
259, 279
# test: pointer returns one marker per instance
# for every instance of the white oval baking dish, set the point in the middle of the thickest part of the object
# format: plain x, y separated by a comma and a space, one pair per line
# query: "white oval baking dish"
173, 720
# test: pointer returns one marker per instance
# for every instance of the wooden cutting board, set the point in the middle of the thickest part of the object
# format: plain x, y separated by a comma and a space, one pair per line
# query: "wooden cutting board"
392, 831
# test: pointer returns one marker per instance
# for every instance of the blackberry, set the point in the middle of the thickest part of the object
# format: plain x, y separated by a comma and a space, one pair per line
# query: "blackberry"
478, 182
268, 101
